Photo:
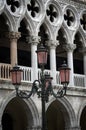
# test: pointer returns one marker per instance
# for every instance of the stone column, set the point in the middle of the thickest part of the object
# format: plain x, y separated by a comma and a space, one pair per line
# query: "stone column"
70, 48
34, 40
13, 36
53, 44
83, 51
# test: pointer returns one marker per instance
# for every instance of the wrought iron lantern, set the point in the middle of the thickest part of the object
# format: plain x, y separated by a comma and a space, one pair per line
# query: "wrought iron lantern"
42, 53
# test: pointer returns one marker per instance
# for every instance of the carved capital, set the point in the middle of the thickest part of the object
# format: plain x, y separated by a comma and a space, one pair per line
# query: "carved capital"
52, 43
14, 35
69, 47
33, 39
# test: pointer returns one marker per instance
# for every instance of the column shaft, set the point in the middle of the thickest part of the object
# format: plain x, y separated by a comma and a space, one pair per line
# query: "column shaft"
13, 36
52, 45
34, 40
83, 51
69, 48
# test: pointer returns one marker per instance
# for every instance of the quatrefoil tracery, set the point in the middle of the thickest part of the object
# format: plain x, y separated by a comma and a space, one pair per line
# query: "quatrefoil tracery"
83, 21
33, 7
69, 17
14, 4
51, 13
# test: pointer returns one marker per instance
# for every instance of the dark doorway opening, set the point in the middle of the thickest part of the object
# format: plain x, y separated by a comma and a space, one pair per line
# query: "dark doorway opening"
7, 122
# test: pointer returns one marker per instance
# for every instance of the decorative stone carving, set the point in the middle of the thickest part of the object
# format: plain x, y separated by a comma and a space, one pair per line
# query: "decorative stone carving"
69, 47
33, 8
33, 39
52, 43
14, 35
13, 5
51, 13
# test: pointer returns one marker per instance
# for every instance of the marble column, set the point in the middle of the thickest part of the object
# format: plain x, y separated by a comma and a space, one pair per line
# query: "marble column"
70, 48
13, 36
53, 44
34, 41
83, 51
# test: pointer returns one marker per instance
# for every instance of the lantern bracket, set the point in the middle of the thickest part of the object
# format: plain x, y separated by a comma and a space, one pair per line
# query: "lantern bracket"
37, 87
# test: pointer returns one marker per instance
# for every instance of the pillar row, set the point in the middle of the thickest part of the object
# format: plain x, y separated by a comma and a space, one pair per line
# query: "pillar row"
13, 36
70, 48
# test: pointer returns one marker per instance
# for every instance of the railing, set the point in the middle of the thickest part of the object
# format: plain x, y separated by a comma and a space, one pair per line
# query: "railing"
27, 73
5, 71
79, 80
46, 72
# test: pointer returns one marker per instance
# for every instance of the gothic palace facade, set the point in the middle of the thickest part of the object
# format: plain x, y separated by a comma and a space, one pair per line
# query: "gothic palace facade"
61, 26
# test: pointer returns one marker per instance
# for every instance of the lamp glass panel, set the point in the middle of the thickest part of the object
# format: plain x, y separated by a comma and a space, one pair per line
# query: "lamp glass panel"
13, 73
67, 75
16, 77
62, 76
42, 57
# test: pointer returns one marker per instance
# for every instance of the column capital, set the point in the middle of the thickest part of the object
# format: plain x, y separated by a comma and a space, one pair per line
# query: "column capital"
14, 35
52, 43
69, 47
33, 39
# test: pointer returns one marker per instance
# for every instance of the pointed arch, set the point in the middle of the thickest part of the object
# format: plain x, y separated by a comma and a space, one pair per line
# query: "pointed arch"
67, 110
29, 104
